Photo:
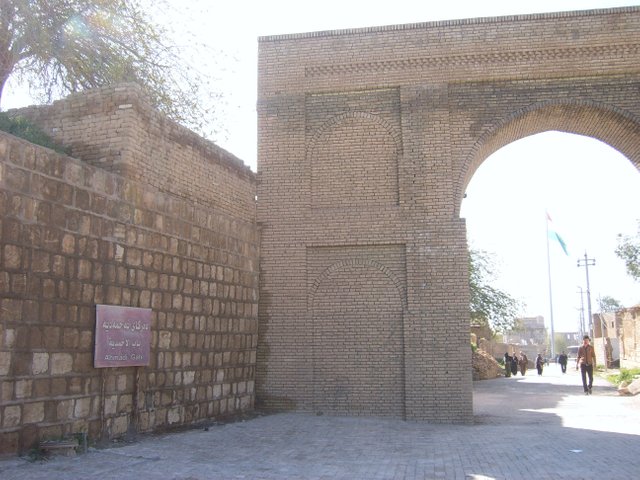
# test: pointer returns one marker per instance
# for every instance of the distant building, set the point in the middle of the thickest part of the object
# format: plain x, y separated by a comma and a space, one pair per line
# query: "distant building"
617, 335
608, 322
528, 331
629, 335
569, 338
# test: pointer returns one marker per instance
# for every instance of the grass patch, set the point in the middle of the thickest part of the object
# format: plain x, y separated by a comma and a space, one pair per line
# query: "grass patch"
23, 128
625, 375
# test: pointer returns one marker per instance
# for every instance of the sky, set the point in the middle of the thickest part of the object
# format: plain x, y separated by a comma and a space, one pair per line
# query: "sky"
590, 190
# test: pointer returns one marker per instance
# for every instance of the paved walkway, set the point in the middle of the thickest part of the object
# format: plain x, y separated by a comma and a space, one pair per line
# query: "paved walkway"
526, 428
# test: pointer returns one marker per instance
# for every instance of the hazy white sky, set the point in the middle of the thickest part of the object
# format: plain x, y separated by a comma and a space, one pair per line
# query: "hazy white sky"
591, 191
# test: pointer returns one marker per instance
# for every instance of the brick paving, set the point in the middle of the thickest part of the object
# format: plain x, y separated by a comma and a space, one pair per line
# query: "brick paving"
524, 427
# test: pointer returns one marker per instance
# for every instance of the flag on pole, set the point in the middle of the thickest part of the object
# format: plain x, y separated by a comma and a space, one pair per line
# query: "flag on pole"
555, 235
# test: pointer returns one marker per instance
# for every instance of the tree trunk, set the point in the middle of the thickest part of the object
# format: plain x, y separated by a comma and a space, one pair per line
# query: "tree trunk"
3, 81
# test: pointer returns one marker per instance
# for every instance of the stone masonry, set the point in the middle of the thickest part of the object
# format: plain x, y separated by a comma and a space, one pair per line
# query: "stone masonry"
149, 216
368, 138
629, 335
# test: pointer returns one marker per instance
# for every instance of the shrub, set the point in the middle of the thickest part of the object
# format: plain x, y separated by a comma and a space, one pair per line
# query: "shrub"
625, 375
23, 128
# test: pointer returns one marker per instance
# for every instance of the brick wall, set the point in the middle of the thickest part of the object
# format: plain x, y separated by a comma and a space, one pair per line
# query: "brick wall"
116, 129
74, 235
367, 140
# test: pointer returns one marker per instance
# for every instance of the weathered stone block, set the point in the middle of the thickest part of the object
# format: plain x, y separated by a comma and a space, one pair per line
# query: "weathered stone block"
51, 338
84, 269
41, 262
122, 382
6, 391
11, 416
70, 338
188, 377
76, 385
124, 403
12, 257
86, 340
110, 404
33, 412
82, 407
217, 391
58, 386
5, 283
40, 363
23, 389
42, 387
119, 425
61, 363
174, 415
65, 410
9, 337
5, 363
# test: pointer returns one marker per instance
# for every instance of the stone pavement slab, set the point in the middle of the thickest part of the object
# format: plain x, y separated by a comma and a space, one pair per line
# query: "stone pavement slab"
525, 428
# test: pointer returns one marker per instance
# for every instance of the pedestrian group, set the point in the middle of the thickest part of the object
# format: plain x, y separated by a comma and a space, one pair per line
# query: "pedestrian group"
513, 364
585, 362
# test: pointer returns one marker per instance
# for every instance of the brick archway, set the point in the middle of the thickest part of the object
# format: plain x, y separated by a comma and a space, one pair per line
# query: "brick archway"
618, 128
367, 140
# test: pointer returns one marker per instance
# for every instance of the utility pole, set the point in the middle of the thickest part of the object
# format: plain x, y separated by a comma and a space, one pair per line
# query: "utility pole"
603, 328
582, 330
585, 263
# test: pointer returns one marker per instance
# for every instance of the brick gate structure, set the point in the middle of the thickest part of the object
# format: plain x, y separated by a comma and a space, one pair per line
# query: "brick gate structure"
367, 141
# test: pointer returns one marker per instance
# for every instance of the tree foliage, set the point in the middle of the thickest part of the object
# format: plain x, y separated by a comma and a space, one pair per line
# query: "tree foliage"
489, 305
609, 304
628, 250
58, 47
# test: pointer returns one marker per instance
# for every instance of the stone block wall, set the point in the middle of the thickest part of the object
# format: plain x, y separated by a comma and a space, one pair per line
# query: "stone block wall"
73, 235
116, 128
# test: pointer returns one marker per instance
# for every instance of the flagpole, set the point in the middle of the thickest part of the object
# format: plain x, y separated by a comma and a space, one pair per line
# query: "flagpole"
553, 350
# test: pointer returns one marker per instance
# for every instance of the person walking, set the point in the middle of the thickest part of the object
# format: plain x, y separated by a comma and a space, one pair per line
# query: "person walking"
507, 364
524, 363
562, 360
514, 364
539, 363
586, 360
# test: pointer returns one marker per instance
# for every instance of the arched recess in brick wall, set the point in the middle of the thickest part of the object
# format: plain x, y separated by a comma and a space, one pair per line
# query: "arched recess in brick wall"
354, 162
357, 308
613, 126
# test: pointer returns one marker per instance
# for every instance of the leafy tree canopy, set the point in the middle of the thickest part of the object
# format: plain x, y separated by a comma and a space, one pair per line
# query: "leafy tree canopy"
58, 47
489, 305
609, 304
628, 250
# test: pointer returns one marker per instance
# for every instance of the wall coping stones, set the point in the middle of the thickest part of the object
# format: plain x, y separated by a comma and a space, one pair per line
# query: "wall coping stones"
449, 23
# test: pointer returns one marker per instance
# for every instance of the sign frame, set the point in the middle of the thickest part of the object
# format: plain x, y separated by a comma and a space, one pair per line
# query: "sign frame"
122, 336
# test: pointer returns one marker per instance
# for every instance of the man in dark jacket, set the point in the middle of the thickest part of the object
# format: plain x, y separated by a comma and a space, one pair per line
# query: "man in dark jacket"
507, 364
562, 360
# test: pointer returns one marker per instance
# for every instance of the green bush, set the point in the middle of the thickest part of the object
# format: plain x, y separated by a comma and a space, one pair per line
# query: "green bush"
23, 128
625, 375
